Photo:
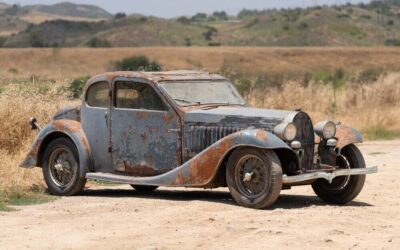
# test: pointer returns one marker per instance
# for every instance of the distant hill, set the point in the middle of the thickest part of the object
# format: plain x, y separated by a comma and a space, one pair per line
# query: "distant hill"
69, 9
373, 24
3, 5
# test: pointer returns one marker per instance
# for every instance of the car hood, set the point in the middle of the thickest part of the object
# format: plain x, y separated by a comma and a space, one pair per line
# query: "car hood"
236, 117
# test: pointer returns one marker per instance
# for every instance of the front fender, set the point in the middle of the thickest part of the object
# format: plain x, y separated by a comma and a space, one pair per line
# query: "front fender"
347, 135
201, 170
69, 128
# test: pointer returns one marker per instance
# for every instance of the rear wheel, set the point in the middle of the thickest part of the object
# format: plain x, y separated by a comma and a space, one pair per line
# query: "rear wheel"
254, 177
61, 168
144, 189
343, 189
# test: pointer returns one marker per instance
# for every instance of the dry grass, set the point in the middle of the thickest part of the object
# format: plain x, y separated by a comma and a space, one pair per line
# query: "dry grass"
362, 106
373, 108
18, 102
75, 62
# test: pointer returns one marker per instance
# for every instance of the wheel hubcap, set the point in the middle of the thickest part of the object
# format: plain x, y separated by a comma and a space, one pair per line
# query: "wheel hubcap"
62, 166
251, 176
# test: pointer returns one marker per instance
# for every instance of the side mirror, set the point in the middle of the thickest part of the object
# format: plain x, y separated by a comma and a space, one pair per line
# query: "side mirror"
33, 123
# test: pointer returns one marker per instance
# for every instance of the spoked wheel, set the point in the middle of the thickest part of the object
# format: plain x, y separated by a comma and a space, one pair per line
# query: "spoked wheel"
61, 168
343, 189
144, 189
254, 177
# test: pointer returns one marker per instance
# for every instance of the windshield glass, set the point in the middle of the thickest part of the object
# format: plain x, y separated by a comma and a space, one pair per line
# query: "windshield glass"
203, 92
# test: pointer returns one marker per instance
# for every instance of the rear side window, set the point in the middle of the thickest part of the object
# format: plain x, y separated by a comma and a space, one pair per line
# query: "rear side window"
130, 95
98, 95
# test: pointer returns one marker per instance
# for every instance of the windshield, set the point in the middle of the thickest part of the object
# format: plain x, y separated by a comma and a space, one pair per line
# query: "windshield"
203, 92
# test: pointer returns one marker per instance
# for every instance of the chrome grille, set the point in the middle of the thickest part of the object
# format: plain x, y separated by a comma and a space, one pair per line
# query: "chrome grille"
305, 134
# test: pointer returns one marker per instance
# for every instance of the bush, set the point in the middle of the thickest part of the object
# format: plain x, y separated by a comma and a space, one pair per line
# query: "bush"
2, 40
392, 42
76, 86
36, 40
137, 63
184, 20
98, 43
119, 15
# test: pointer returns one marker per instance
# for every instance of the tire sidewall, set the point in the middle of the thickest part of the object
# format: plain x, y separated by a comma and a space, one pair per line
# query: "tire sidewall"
77, 182
274, 181
354, 185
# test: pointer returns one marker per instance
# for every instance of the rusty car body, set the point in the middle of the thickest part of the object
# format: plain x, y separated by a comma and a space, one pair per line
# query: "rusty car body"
137, 128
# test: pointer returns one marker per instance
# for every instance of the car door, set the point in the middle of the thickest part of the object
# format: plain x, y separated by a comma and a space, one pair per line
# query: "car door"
144, 130
95, 122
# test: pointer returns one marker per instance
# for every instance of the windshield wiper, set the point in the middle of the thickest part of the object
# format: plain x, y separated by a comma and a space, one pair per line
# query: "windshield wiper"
216, 105
188, 102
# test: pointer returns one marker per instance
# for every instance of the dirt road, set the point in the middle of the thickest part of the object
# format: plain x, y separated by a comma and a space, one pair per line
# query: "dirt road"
118, 218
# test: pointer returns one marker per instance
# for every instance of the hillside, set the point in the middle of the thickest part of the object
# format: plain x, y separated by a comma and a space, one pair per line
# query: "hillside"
69, 9
3, 5
374, 24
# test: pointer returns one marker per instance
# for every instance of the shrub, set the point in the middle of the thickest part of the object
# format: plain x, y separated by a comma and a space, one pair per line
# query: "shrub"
184, 20
211, 31
119, 15
2, 40
392, 42
76, 86
36, 40
137, 63
98, 43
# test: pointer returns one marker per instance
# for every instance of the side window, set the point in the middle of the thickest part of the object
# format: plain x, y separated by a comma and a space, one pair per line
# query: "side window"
130, 95
97, 95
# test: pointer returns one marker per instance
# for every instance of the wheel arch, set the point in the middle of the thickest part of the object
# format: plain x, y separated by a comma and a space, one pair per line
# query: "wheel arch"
69, 129
285, 156
347, 136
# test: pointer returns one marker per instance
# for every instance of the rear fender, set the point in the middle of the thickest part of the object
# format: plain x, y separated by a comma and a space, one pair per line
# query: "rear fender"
60, 128
201, 170
347, 135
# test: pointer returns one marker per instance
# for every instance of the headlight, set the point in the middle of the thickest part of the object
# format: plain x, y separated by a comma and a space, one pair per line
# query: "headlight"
286, 131
326, 129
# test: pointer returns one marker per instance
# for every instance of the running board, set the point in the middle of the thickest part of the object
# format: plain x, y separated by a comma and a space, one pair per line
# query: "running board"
287, 180
123, 179
328, 176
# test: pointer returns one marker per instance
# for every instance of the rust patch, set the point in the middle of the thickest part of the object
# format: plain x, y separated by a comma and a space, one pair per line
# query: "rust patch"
262, 135
140, 170
345, 135
203, 167
144, 137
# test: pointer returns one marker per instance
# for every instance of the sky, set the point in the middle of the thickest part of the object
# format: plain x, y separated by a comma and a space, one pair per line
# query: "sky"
174, 8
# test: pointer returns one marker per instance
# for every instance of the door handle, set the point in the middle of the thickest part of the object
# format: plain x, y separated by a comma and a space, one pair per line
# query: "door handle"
173, 130
106, 118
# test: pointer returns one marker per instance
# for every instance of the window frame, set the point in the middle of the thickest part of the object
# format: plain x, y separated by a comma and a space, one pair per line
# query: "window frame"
167, 107
88, 91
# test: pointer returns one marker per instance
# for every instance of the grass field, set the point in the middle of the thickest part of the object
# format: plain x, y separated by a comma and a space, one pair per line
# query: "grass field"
357, 86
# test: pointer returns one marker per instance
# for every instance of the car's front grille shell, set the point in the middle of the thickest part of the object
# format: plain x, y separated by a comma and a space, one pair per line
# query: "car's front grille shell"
305, 135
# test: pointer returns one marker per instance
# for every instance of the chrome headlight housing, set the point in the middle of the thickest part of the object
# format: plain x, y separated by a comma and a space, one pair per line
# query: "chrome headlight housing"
286, 131
326, 129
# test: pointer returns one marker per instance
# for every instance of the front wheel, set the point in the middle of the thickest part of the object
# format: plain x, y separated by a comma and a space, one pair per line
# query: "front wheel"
61, 168
343, 189
254, 177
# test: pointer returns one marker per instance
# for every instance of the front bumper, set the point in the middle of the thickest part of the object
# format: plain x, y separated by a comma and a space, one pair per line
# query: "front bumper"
329, 176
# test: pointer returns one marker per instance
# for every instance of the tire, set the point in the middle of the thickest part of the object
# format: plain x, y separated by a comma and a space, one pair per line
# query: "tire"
144, 189
343, 189
254, 177
61, 168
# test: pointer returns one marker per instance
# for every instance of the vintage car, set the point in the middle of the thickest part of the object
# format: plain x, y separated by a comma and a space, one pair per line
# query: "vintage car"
192, 129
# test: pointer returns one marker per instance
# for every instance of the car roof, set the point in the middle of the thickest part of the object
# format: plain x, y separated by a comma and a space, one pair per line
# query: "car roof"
161, 76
